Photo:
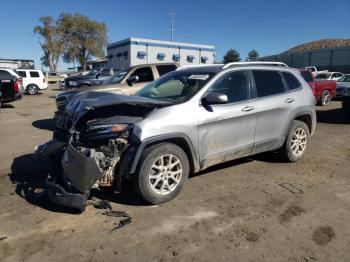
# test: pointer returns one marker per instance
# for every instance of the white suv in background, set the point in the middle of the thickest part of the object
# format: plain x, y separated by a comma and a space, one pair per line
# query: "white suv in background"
33, 80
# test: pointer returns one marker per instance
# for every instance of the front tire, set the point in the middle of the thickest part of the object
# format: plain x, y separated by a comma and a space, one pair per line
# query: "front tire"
162, 172
325, 98
32, 89
296, 143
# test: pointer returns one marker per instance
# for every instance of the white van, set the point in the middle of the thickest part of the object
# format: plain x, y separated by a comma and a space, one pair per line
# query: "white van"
33, 80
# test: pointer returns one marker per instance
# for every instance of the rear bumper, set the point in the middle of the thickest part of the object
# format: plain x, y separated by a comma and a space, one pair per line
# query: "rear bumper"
60, 196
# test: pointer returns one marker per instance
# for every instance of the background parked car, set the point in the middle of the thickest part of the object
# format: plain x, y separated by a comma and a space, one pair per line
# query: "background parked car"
312, 69
343, 84
11, 87
328, 76
98, 74
54, 77
323, 91
33, 80
125, 81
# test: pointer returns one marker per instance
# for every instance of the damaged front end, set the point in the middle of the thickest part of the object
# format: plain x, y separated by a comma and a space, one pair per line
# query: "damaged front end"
92, 138
90, 160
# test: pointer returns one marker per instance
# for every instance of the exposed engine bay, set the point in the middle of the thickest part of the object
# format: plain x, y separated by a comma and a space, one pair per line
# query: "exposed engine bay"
106, 152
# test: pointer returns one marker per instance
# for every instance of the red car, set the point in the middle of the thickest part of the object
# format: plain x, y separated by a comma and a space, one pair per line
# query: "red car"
323, 91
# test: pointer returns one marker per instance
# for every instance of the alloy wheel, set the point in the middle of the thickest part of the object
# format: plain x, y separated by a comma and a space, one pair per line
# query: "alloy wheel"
298, 142
165, 174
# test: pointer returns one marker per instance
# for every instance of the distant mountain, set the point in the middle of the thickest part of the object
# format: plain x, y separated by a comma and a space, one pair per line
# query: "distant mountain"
320, 44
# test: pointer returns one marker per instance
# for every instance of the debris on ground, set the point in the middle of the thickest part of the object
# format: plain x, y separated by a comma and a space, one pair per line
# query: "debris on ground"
104, 204
3, 238
291, 188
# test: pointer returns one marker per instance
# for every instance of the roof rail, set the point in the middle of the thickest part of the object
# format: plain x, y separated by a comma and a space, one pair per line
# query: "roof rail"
194, 66
254, 63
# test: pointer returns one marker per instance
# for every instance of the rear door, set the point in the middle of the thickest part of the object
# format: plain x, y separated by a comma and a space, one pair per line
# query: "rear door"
6, 85
227, 131
34, 78
274, 106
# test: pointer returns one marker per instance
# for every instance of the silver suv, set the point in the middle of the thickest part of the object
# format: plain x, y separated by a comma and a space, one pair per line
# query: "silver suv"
184, 122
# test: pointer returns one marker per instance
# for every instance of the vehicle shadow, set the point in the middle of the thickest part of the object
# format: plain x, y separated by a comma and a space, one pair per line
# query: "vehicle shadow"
46, 124
224, 165
7, 106
332, 116
28, 174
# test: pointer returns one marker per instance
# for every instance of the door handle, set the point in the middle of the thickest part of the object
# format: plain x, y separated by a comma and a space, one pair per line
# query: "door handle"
248, 108
289, 100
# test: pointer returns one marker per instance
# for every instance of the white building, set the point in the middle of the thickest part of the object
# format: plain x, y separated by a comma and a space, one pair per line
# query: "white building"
135, 51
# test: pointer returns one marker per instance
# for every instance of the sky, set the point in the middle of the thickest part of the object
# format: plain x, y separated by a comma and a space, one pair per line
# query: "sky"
268, 26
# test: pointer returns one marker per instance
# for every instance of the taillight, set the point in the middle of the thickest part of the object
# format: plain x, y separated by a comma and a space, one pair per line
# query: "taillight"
15, 86
44, 80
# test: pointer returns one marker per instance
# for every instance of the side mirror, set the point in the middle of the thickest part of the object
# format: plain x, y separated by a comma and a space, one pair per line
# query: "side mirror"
132, 79
215, 99
97, 75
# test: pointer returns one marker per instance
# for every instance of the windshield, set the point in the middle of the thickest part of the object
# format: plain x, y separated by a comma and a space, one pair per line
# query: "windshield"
323, 76
117, 77
345, 78
176, 86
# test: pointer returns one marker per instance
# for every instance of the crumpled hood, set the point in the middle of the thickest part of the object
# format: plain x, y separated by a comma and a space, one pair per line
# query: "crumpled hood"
79, 105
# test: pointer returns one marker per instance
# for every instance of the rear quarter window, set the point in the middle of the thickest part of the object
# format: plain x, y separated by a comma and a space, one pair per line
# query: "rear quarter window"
22, 73
268, 83
307, 76
291, 80
34, 74
4, 75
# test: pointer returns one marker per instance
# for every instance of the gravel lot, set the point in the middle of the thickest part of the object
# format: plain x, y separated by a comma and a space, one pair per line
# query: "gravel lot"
253, 209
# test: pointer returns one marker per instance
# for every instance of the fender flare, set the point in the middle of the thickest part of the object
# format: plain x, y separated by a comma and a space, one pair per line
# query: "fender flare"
163, 138
294, 116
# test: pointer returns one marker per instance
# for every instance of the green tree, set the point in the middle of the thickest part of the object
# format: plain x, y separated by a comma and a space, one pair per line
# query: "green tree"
253, 55
51, 42
232, 55
83, 38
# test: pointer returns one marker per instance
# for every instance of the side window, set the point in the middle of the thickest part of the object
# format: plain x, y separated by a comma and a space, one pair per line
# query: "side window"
105, 72
307, 76
22, 73
234, 85
268, 83
163, 69
4, 75
34, 74
145, 74
292, 81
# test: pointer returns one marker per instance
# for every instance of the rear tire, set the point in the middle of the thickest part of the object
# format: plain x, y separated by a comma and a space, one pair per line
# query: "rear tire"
32, 89
346, 108
325, 98
161, 174
296, 143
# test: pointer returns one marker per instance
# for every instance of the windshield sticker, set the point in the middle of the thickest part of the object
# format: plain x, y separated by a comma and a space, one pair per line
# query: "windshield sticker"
199, 77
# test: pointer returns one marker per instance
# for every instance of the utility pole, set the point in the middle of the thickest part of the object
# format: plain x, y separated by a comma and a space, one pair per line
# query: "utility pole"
172, 29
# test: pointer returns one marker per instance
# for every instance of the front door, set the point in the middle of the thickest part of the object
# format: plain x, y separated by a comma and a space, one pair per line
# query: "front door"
227, 131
